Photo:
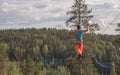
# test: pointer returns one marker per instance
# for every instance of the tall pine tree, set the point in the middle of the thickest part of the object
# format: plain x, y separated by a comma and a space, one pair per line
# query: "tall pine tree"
80, 13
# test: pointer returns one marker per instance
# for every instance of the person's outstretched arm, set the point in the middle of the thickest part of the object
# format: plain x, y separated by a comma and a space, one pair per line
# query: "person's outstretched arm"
86, 28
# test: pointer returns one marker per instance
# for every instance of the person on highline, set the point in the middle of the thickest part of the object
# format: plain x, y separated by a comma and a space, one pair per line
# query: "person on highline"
79, 39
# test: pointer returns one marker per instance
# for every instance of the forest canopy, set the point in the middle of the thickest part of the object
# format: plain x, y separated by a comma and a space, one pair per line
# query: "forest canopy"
21, 51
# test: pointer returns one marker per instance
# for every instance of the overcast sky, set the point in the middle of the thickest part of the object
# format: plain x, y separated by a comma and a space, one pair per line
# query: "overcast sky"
52, 13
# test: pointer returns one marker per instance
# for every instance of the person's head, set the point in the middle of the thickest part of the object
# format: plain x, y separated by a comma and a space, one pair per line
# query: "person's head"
78, 26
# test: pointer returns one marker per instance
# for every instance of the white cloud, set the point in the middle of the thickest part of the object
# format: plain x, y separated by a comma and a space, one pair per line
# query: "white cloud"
5, 3
46, 11
102, 1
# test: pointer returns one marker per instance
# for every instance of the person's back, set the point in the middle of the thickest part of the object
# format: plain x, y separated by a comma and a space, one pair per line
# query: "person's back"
78, 35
